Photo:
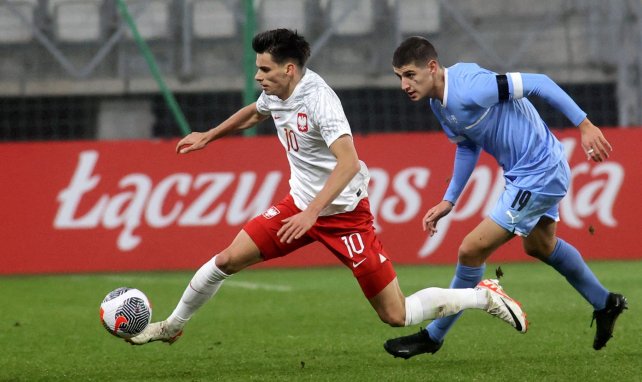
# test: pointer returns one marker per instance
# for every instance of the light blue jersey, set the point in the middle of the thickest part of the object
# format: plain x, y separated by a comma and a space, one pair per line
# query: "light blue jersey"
482, 110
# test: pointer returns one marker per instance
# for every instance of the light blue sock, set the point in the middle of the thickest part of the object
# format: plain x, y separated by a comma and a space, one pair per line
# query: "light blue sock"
465, 277
568, 262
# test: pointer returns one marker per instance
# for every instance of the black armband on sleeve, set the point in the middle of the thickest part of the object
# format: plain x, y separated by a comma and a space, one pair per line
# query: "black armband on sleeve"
502, 87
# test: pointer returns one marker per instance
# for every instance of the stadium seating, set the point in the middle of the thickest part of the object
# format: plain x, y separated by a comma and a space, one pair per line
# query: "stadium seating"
418, 16
352, 18
153, 21
214, 19
12, 28
76, 21
272, 15
49, 48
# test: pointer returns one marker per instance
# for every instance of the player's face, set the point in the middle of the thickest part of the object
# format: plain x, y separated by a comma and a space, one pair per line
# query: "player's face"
274, 78
418, 81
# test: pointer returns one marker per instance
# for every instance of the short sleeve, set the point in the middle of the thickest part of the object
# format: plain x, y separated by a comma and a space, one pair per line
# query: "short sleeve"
262, 104
329, 116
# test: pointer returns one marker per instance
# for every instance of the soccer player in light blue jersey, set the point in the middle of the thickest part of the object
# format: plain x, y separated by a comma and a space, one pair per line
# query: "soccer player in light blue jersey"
482, 110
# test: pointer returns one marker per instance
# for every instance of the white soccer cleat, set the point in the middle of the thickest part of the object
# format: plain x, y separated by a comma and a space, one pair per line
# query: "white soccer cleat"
156, 331
503, 306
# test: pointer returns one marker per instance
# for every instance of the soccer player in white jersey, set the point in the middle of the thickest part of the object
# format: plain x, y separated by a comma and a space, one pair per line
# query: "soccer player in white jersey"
327, 201
481, 110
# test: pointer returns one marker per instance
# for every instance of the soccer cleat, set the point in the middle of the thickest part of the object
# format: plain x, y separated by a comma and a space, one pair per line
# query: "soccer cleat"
156, 331
503, 306
615, 305
412, 345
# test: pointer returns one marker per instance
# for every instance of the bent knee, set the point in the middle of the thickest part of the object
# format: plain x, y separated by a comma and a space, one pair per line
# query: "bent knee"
394, 319
540, 250
536, 253
470, 255
225, 263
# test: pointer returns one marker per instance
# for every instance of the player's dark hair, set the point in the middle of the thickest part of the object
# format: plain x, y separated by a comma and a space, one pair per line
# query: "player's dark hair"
283, 45
414, 50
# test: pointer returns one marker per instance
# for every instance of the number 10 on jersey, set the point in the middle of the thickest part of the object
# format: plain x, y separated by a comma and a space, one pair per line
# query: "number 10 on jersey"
290, 138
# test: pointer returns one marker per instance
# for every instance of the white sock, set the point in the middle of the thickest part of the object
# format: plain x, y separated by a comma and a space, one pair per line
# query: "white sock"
201, 288
432, 303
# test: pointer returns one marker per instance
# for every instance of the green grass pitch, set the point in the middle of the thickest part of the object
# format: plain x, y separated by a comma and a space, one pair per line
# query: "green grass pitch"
312, 325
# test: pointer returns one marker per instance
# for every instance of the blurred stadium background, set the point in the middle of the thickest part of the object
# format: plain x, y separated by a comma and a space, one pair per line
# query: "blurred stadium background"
71, 69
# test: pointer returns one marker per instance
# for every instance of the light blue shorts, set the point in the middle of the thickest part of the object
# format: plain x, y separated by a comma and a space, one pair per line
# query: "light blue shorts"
526, 199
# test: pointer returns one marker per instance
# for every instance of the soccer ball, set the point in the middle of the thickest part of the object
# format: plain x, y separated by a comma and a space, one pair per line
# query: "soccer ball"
125, 312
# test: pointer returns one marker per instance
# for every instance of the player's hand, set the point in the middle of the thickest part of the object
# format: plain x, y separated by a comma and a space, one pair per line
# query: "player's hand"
296, 226
429, 222
191, 142
596, 147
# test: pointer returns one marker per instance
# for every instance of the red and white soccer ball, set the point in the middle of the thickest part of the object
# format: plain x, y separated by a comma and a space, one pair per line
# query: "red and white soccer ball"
125, 312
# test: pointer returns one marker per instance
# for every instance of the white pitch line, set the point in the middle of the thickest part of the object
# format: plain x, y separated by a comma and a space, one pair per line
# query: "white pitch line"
255, 286
127, 280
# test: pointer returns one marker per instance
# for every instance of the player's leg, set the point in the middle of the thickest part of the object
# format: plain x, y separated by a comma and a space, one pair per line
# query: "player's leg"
352, 239
394, 309
474, 250
433, 303
542, 243
476, 247
428, 304
242, 253
255, 243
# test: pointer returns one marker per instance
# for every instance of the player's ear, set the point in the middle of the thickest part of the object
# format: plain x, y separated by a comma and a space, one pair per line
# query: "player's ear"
433, 65
290, 69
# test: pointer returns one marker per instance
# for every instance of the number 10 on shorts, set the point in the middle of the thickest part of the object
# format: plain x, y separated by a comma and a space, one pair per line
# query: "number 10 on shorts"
354, 243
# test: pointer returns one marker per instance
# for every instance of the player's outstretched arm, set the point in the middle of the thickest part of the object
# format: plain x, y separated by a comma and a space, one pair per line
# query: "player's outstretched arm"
542, 86
242, 119
595, 145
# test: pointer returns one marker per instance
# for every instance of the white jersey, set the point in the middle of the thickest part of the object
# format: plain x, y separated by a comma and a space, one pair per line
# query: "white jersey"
307, 123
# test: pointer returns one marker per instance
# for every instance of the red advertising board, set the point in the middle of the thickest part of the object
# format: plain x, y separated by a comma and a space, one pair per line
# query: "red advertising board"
136, 205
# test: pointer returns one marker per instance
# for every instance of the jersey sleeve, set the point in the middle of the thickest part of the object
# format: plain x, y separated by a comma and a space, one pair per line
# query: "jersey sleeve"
262, 104
540, 85
481, 88
466, 158
329, 116
486, 89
